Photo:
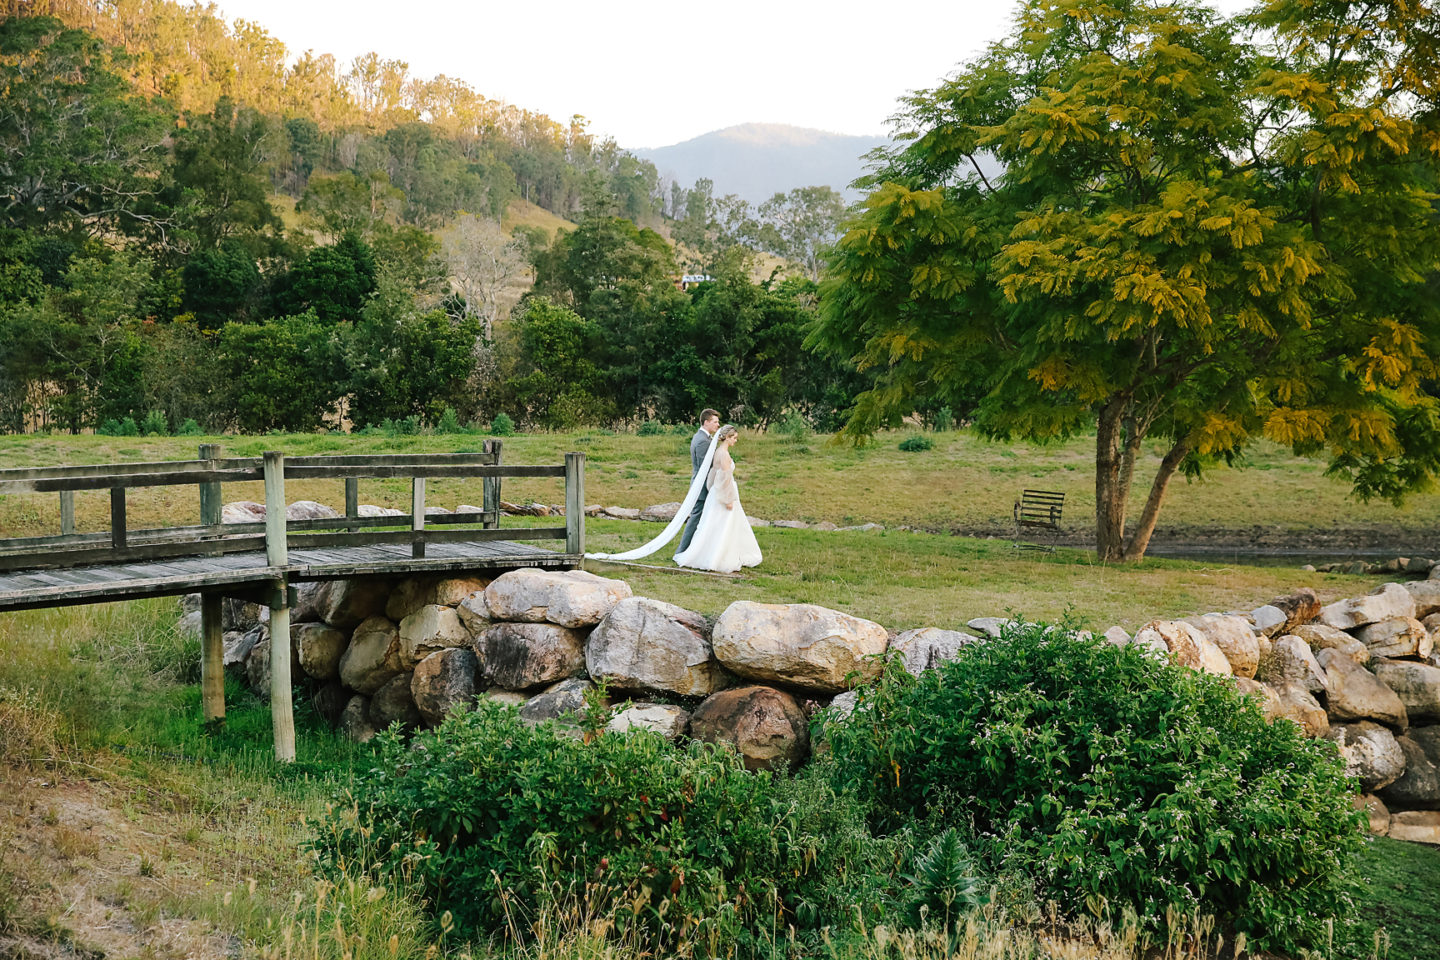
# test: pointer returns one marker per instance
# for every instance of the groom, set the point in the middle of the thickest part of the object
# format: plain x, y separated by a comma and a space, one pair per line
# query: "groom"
699, 444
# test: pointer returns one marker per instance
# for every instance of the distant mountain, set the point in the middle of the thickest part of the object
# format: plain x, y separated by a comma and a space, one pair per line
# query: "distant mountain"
758, 160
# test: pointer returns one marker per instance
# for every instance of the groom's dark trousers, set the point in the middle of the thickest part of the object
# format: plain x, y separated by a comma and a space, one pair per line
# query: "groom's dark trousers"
699, 444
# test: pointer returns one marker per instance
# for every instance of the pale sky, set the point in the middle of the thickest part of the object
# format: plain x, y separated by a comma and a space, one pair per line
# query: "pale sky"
651, 73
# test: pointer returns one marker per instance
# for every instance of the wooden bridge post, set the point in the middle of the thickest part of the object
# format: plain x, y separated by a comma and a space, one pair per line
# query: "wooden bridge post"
282, 710
417, 516
352, 501
212, 643
491, 503
67, 512
575, 503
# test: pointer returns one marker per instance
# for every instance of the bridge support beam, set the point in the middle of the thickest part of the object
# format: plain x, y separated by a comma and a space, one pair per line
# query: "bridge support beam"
282, 709
212, 657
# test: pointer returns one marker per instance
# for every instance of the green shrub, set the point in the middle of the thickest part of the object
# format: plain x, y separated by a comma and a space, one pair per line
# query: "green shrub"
942, 420
110, 428
127, 428
496, 818
502, 426
794, 428
189, 428
449, 422
917, 443
650, 428
1112, 779
155, 425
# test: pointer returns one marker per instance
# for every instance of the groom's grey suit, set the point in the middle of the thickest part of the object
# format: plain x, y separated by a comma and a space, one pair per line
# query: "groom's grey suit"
699, 444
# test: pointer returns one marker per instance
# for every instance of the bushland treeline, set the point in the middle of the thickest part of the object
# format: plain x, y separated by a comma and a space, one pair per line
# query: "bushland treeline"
149, 266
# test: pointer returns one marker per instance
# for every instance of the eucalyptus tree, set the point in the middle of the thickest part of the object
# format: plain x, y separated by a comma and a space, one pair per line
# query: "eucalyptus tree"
1204, 230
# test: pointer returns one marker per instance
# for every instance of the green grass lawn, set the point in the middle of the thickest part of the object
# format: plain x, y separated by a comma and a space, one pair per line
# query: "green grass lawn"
189, 815
965, 483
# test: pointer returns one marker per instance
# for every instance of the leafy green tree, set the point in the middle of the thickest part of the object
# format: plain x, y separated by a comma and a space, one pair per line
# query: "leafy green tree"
405, 362
284, 374
557, 382
77, 150
220, 187
1202, 235
220, 284
335, 281
801, 224
74, 352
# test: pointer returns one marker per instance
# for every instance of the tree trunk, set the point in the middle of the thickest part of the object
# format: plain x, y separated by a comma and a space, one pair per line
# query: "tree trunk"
1110, 484
1140, 540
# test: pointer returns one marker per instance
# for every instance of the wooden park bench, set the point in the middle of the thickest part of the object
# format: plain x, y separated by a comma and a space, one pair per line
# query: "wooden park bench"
1037, 516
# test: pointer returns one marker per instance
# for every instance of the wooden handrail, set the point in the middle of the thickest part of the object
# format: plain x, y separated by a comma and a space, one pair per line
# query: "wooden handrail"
212, 538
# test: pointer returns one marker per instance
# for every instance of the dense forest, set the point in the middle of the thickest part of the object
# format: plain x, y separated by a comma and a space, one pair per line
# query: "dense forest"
199, 231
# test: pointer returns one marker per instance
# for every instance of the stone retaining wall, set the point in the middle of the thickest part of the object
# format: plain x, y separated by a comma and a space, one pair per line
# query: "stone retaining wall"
1361, 672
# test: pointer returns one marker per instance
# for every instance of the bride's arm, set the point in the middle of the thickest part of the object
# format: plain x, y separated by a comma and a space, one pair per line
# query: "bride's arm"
721, 481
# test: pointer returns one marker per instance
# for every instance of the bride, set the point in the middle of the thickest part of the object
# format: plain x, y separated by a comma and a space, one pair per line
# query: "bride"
723, 540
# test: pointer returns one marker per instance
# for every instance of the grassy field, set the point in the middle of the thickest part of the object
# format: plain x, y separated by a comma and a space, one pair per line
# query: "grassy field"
965, 484
129, 828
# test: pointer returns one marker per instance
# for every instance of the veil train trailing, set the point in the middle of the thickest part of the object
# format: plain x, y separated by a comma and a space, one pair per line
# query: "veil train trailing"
678, 523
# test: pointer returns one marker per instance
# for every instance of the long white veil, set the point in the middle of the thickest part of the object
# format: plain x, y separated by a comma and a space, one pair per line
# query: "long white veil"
681, 515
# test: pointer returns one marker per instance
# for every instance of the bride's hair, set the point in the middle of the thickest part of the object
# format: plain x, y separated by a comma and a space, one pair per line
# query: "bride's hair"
726, 431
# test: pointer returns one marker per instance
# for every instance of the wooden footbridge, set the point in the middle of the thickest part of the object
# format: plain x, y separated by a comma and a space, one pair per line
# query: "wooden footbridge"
262, 561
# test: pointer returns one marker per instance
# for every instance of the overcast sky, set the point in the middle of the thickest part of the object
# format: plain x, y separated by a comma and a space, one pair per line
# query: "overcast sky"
652, 73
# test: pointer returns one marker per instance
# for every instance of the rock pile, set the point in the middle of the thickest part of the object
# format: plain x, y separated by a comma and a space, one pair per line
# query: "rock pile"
1362, 672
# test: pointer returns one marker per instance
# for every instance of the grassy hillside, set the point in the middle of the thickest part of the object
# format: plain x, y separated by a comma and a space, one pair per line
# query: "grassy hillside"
523, 213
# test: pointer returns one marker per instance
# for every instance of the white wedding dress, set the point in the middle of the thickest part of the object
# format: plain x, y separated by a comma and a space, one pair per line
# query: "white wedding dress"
723, 539
721, 543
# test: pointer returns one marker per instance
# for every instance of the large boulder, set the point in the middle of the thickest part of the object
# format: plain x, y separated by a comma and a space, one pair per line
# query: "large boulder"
1291, 659
1187, 645
1267, 620
319, 647
243, 511
310, 510
1427, 597
799, 645
410, 595
444, 681
238, 646
257, 666
394, 703
1416, 684
668, 721
660, 512
651, 646
452, 590
355, 720
306, 608
1377, 814
1354, 693
475, 613
1416, 826
1321, 637
1418, 788
571, 598
1299, 607
1370, 752
988, 626
1390, 600
928, 647
373, 657
523, 656
563, 703
427, 630
766, 726
1396, 637
1235, 639
1292, 701
344, 604
329, 701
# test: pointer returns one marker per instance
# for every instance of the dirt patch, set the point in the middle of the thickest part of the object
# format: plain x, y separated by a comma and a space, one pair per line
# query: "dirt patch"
81, 877
1315, 545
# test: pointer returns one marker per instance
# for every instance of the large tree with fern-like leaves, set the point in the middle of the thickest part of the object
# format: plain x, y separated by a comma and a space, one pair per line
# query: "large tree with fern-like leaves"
1168, 225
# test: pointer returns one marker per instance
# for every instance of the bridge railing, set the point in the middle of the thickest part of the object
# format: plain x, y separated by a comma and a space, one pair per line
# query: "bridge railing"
211, 537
